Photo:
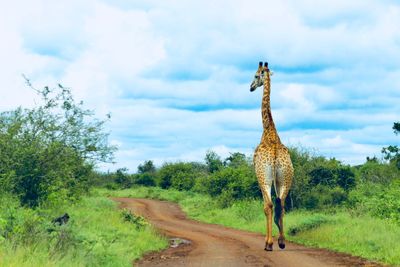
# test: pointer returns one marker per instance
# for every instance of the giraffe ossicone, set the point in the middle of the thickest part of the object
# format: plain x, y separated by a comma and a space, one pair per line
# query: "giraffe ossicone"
271, 161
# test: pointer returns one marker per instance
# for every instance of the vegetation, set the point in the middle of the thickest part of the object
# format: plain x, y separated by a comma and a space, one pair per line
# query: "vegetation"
47, 153
47, 160
320, 183
48, 157
29, 238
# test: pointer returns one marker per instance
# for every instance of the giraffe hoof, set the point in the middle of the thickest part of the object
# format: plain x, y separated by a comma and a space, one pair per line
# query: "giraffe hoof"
281, 243
268, 247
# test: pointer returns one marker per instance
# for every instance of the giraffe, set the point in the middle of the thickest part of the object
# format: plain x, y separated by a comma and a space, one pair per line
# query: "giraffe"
271, 161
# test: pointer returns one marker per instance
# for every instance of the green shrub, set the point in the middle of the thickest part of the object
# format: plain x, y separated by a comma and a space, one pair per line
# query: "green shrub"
322, 196
230, 184
49, 148
374, 171
179, 175
122, 178
136, 220
146, 179
379, 200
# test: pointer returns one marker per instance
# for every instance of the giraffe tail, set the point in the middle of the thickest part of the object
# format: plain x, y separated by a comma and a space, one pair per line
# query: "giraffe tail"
277, 212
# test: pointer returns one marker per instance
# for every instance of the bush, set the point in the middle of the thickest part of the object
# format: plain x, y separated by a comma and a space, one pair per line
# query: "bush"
322, 196
50, 148
377, 172
379, 200
231, 184
136, 220
179, 175
146, 179
123, 179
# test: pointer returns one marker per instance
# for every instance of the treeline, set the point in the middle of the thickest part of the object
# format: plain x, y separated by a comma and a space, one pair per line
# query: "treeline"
319, 183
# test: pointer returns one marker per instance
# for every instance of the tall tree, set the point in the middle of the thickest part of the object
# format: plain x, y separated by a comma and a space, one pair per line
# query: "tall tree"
48, 152
213, 161
392, 152
147, 167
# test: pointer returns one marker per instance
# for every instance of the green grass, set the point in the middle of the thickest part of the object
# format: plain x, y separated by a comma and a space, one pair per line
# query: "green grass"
98, 234
364, 236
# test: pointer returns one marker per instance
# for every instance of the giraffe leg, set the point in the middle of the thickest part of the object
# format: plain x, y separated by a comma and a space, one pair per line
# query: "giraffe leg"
268, 211
281, 239
278, 218
282, 185
265, 176
268, 214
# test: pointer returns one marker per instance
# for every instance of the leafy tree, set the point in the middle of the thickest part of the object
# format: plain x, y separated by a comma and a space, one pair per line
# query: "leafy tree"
147, 167
48, 152
323, 176
146, 179
236, 160
122, 178
146, 174
345, 178
213, 161
392, 152
396, 127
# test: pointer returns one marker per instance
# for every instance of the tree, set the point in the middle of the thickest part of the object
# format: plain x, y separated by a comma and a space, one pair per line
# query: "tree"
236, 160
146, 167
122, 178
213, 161
323, 176
392, 152
396, 127
346, 178
48, 152
146, 179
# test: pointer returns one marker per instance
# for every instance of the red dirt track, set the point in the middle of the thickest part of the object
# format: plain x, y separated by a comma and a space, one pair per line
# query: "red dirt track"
215, 245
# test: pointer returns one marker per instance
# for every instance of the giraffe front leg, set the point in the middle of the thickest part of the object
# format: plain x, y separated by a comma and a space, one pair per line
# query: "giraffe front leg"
268, 237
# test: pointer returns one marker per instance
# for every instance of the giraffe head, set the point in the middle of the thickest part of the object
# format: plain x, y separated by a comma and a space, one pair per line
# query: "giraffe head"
260, 76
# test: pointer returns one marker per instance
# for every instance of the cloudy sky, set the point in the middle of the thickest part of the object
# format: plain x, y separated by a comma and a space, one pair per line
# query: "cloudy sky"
175, 75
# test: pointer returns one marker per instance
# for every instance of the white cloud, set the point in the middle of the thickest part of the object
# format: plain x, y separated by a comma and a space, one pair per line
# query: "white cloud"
175, 75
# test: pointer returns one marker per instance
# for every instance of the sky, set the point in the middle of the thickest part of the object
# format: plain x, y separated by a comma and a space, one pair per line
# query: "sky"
175, 74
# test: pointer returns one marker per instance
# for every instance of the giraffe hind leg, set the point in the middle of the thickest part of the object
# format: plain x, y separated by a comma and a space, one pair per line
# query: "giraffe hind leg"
278, 219
277, 212
282, 187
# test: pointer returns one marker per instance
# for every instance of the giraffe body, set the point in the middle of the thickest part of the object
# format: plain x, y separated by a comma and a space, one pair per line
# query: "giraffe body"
272, 162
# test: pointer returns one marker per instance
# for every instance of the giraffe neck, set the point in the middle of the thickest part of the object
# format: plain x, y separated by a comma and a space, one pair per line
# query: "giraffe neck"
270, 134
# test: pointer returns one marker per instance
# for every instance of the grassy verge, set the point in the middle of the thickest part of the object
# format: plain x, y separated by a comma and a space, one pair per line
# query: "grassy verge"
364, 236
98, 234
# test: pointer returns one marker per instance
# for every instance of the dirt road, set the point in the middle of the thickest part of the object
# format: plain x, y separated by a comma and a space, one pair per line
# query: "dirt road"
214, 245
